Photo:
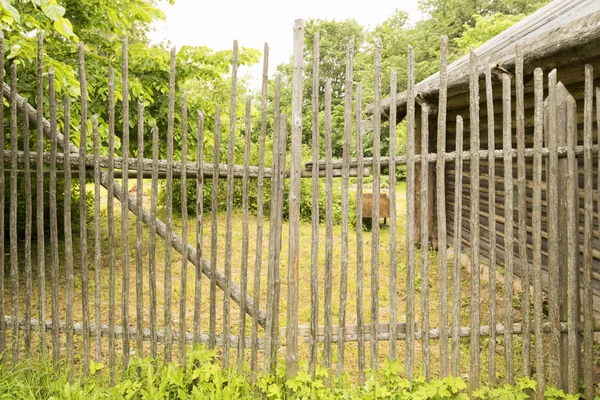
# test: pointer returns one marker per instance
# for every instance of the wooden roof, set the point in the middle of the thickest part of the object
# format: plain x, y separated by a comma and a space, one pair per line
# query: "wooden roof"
564, 34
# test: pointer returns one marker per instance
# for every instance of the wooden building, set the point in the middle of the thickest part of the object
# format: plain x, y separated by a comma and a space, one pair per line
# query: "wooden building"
564, 35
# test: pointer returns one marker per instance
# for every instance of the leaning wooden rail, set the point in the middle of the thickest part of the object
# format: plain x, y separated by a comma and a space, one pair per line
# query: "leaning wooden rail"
191, 167
161, 228
450, 157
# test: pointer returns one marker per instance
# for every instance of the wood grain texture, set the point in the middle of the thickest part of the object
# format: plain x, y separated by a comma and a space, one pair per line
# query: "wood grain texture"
125, 202
152, 247
410, 216
328, 282
456, 295
53, 218
214, 230
424, 198
314, 250
83, 235
441, 206
184, 232
228, 223
360, 318
199, 227
111, 225
39, 182
68, 241
28, 220
393, 221
139, 234
97, 245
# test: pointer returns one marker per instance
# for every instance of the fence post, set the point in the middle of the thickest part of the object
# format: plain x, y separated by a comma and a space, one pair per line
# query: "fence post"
294, 203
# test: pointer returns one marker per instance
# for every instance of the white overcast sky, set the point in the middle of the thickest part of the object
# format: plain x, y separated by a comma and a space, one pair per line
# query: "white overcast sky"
216, 23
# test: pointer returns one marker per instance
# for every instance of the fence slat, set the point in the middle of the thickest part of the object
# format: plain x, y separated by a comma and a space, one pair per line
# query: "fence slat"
125, 203
314, 251
214, 229
375, 212
360, 319
552, 195
572, 235
345, 179
228, 233
53, 218
68, 239
588, 334
522, 206
536, 226
393, 219
491, 222
152, 246
270, 331
259, 210
410, 216
139, 238
111, 224
97, 244
199, 227
2, 193
184, 231
40, 236
328, 228
424, 198
508, 227
28, 218
85, 311
456, 301
294, 202
441, 206
169, 213
245, 241
14, 251
474, 377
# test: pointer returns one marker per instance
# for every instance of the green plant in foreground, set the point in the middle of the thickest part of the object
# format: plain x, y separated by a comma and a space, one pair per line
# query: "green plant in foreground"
203, 378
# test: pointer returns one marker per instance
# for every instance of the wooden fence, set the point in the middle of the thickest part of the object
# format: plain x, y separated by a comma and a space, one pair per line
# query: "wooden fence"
432, 327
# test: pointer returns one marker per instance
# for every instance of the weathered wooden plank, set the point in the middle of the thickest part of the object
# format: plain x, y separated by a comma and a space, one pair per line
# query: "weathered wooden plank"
28, 219
375, 212
14, 251
410, 216
573, 240
492, 224
214, 229
294, 202
522, 209
508, 228
139, 238
345, 179
199, 227
456, 301
441, 206
228, 233
39, 180
588, 304
259, 210
393, 220
536, 259
184, 231
111, 225
85, 308
314, 251
328, 229
2, 236
474, 376
53, 217
68, 240
359, 240
553, 256
424, 196
245, 241
270, 332
168, 349
152, 246
125, 202
97, 245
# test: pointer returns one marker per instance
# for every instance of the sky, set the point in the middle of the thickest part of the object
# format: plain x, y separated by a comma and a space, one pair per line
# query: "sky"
216, 23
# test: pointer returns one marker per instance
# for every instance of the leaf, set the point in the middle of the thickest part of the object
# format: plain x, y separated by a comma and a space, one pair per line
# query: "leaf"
64, 27
14, 51
54, 11
11, 10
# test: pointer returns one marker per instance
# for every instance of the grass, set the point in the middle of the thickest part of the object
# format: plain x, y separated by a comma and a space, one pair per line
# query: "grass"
304, 311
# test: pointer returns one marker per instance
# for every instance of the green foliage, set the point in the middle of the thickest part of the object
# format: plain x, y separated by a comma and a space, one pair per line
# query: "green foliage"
485, 28
202, 377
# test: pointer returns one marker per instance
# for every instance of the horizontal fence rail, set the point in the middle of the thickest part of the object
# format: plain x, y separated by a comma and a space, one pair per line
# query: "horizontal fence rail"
129, 254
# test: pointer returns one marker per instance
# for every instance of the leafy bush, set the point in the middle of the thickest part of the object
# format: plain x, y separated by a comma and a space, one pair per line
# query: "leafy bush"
202, 377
